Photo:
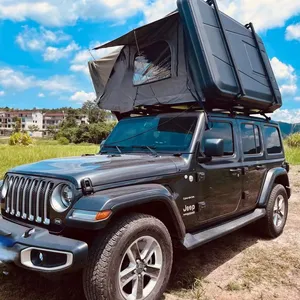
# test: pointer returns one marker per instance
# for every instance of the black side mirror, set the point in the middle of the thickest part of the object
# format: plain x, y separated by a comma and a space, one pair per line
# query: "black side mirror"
214, 147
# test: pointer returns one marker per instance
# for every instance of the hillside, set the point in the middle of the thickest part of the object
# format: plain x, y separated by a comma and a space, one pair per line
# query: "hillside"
288, 129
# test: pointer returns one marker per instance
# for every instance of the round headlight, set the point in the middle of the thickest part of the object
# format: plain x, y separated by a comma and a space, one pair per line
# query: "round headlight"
62, 198
4, 189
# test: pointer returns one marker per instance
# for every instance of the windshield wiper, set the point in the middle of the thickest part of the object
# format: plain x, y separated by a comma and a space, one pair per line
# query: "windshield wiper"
149, 148
113, 146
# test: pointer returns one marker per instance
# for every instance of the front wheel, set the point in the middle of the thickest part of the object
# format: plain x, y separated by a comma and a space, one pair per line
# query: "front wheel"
277, 212
132, 262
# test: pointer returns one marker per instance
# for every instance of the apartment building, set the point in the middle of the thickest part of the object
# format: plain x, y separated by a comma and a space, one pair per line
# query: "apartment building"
28, 118
43, 121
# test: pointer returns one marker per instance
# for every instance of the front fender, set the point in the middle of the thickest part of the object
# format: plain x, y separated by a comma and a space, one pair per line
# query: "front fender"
270, 179
123, 198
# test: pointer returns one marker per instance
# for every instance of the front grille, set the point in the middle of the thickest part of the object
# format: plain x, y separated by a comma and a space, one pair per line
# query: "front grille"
28, 198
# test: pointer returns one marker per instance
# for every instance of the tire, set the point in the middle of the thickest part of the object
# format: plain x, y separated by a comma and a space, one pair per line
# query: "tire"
276, 213
114, 255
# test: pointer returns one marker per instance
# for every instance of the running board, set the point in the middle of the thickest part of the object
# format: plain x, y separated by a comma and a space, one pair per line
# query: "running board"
197, 239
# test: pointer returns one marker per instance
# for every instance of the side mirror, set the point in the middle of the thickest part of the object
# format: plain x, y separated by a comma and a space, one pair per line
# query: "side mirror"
214, 147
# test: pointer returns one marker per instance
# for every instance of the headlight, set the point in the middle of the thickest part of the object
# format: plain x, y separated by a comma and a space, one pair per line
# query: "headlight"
4, 189
62, 198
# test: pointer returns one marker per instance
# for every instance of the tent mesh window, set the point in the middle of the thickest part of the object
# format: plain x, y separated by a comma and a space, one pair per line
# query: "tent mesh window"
153, 63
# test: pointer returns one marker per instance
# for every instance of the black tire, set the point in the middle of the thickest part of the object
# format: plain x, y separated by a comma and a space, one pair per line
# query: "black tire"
267, 225
101, 276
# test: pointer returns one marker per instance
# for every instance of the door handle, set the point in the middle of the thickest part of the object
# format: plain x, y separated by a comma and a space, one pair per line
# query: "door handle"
260, 167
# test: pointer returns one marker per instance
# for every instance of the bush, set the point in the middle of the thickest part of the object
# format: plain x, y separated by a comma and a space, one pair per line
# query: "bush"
86, 133
20, 138
293, 140
63, 141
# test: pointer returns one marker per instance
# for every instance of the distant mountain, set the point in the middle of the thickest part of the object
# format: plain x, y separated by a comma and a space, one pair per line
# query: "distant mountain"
287, 129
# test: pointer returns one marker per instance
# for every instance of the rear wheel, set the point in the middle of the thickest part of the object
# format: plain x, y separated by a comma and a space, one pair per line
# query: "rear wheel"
132, 262
277, 212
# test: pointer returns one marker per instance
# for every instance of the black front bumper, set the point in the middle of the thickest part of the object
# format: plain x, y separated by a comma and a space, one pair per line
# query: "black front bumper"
21, 244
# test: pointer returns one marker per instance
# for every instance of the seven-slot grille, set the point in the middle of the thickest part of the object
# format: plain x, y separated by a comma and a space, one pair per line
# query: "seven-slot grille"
28, 198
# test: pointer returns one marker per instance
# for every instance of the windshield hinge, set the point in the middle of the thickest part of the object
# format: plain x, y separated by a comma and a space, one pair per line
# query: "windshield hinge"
87, 187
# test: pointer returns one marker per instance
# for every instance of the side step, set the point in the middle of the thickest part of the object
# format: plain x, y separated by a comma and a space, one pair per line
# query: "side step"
197, 239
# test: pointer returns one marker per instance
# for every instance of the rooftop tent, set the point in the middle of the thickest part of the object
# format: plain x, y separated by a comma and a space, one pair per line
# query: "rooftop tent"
148, 69
197, 55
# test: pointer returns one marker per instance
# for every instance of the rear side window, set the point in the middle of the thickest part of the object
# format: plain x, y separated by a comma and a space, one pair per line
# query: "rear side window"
250, 139
221, 130
272, 139
153, 63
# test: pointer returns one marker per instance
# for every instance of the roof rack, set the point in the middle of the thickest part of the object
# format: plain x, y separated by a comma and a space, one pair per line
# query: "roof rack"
158, 109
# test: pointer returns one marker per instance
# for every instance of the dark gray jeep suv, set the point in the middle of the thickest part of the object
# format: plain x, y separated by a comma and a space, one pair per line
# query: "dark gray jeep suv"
181, 178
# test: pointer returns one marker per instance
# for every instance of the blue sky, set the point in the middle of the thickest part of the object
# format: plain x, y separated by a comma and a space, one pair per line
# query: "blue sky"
43, 56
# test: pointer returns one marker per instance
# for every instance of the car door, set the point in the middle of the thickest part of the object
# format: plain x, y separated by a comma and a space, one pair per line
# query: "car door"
254, 163
220, 180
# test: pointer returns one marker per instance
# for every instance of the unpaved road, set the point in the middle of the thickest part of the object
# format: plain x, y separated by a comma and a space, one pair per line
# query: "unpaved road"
241, 266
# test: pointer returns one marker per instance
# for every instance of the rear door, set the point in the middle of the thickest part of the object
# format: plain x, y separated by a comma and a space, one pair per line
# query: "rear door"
254, 163
220, 183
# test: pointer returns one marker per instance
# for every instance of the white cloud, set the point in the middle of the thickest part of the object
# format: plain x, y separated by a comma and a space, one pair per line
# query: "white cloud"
287, 115
41, 95
82, 96
286, 77
55, 54
158, 9
2, 93
17, 80
68, 12
36, 39
264, 14
10, 78
297, 98
81, 59
293, 32
58, 83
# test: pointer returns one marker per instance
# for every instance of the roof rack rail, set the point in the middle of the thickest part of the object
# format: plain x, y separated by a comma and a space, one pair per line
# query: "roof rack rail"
271, 84
227, 45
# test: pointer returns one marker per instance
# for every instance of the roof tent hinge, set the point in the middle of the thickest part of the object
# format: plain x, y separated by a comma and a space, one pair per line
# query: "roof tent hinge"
251, 27
231, 57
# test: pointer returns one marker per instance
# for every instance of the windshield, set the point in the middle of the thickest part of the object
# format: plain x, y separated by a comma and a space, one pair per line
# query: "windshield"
162, 133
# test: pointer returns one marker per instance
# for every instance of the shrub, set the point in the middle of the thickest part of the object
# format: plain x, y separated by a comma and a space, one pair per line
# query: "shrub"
63, 141
293, 140
20, 138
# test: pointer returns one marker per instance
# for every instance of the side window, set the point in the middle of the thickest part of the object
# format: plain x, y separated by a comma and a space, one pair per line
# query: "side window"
250, 139
272, 140
153, 63
221, 130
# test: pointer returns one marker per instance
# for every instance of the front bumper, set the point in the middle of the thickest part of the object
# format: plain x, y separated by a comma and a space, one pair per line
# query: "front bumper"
36, 249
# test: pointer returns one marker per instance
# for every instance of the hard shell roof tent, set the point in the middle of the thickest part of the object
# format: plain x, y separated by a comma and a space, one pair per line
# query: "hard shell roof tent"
194, 55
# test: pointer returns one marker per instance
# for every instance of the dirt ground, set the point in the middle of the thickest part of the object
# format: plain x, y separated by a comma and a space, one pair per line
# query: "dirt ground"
240, 266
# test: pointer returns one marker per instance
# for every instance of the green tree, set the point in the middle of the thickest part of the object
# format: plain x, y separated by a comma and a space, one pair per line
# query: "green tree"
33, 128
94, 113
18, 124
52, 129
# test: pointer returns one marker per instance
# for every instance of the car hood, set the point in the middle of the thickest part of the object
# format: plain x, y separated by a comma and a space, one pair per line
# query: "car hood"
103, 169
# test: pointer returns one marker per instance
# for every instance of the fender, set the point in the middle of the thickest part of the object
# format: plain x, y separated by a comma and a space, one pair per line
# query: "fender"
126, 197
268, 185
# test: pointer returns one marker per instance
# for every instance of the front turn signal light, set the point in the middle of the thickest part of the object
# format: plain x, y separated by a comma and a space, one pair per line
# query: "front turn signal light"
103, 215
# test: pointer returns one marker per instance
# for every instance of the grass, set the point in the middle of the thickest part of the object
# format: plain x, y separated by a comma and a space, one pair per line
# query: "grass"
12, 156
292, 155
